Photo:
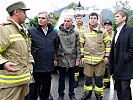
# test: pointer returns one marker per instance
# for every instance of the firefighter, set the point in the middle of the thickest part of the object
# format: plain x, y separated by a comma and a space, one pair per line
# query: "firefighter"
95, 45
15, 52
106, 78
108, 27
79, 27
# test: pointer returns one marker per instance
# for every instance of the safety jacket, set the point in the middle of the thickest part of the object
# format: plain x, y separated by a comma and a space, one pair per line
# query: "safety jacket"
15, 47
95, 45
111, 33
80, 29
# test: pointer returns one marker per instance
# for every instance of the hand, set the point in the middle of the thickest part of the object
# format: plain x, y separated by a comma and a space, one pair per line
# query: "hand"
106, 60
55, 63
77, 63
9, 67
82, 61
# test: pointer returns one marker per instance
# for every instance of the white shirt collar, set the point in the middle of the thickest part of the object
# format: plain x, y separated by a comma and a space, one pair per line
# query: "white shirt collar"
119, 28
45, 31
118, 32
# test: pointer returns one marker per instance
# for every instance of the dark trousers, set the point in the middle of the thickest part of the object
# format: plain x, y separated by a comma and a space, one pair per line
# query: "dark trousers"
62, 74
32, 95
98, 81
123, 89
42, 85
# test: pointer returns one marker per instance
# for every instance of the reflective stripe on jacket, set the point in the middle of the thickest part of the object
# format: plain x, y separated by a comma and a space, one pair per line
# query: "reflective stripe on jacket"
15, 47
94, 46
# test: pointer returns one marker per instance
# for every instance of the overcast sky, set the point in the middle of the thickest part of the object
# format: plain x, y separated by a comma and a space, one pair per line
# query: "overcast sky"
51, 5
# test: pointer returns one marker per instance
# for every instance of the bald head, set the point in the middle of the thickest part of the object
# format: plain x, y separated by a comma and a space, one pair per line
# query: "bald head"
68, 22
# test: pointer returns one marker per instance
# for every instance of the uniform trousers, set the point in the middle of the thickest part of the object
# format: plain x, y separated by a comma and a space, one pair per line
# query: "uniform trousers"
43, 84
14, 93
97, 72
123, 89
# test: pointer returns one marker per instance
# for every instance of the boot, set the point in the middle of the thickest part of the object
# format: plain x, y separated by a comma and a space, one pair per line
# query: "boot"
50, 97
61, 98
99, 97
72, 97
86, 95
76, 81
107, 84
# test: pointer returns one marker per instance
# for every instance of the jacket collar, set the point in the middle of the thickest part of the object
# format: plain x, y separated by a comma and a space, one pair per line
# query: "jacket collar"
71, 29
121, 34
50, 27
20, 27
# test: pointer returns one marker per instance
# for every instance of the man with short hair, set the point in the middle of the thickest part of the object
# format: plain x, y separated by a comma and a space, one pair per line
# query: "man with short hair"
79, 27
121, 56
44, 49
108, 27
68, 56
95, 43
15, 55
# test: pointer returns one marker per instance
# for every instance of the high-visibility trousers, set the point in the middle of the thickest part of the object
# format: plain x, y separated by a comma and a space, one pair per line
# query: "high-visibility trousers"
98, 85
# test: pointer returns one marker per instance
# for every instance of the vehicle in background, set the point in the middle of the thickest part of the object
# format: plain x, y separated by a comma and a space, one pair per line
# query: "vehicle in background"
79, 10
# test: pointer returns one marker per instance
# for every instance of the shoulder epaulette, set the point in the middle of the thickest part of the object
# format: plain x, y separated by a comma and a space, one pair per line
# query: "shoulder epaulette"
7, 23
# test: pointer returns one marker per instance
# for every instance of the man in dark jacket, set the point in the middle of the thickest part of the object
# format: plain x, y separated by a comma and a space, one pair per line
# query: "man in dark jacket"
44, 47
121, 56
68, 56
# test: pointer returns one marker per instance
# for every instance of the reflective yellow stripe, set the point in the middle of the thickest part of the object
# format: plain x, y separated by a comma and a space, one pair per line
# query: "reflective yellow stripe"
106, 80
107, 49
94, 59
15, 37
82, 49
77, 74
99, 90
1, 49
14, 79
86, 88
82, 40
106, 39
90, 34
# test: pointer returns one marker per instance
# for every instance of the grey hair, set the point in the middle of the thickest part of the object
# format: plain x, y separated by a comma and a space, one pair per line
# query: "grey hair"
44, 12
123, 13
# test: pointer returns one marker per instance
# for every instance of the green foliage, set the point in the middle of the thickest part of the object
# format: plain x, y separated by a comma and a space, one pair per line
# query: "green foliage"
33, 21
71, 5
55, 19
114, 25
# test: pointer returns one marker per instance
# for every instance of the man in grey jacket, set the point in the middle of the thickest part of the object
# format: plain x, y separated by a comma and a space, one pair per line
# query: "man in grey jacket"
68, 56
